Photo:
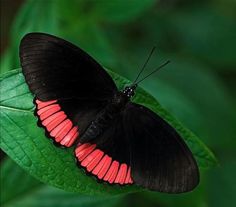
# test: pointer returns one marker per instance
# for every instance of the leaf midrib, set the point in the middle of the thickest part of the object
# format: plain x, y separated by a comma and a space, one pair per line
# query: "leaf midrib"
16, 109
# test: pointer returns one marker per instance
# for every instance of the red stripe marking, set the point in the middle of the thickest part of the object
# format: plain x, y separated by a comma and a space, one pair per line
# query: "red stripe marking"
49, 112
109, 172
120, 178
69, 139
63, 132
117, 180
95, 160
55, 122
105, 166
40, 111
81, 147
128, 175
102, 165
90, 157
74, 137
84, 153
41, 104
51, 118
58, 128
99, 165
123, 176
114, 171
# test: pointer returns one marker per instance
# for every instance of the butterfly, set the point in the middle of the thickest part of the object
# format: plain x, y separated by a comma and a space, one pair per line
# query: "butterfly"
117, 141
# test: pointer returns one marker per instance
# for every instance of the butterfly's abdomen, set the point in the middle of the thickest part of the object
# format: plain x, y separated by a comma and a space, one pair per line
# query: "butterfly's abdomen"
105, 117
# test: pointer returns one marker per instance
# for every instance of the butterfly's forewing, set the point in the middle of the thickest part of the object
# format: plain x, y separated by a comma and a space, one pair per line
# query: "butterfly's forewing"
57, 69
69, 86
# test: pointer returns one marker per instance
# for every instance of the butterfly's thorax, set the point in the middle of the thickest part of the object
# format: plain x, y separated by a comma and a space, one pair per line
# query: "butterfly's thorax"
105, 116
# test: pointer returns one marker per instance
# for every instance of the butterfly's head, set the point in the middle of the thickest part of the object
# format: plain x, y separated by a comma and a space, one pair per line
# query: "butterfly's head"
129, 90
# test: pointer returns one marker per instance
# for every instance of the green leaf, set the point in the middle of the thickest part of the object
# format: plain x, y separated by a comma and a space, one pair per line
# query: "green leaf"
92, 39
210, 35
19, 189
72, 21
30, 18
49, 196
178, 104
221, 181
11, 176
214, 103
25, 143
120, 10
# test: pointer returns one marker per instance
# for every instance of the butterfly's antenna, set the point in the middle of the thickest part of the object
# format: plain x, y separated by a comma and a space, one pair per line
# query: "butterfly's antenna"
161, 66
142, 69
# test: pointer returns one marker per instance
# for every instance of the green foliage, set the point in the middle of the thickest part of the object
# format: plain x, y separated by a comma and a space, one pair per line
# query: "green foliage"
118, 11
223, 177
20, 182
25, 143
16, 189
45, 20
210, 35
197, 88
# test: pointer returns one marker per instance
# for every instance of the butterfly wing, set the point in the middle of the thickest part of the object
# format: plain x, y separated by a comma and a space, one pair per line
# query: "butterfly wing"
57, 69
160, 159
156, 155
70, 87
107, 156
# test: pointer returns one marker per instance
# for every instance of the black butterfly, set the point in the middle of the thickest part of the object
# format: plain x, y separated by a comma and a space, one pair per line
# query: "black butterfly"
117, 141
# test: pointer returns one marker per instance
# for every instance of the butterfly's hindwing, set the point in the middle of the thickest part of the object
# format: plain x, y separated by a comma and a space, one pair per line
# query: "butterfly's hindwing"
113, 165
104, 167
160, 159
157, 156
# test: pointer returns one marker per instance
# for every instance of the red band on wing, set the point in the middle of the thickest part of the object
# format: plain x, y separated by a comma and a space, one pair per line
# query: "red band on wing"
56, 122
95, 161
102, 166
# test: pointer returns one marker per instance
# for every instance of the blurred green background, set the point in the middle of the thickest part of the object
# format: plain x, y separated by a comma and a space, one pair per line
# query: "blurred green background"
198, 87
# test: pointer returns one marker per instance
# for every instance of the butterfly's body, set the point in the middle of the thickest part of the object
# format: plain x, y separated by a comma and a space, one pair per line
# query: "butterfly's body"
104, 118
118, 141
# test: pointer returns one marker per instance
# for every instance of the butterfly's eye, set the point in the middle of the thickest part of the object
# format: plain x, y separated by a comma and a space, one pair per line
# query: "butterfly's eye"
128, 91
125, 90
